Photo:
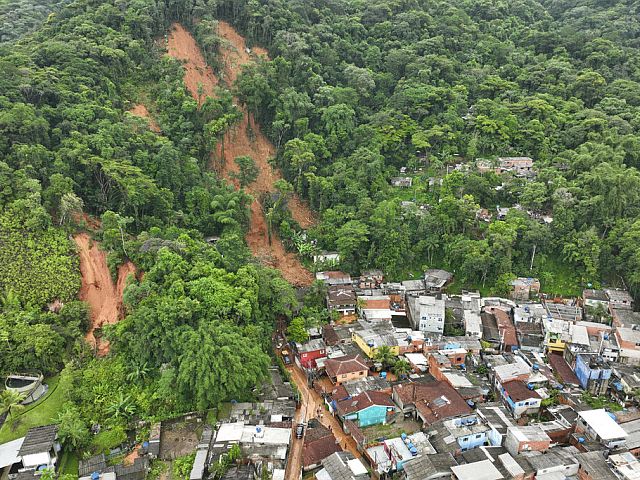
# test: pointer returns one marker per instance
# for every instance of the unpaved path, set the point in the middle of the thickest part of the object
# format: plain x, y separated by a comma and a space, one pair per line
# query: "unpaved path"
245, 138
141, 111
104, 298
311, 404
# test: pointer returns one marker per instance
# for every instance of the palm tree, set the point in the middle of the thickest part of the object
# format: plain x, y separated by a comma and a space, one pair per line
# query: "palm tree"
401, 368
385, 356
10, 402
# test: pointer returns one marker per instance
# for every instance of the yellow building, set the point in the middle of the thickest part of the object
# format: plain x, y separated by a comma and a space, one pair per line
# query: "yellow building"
369, 341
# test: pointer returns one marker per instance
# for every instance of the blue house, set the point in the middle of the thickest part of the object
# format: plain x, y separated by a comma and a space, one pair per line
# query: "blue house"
469, 432
593, 373
367, 408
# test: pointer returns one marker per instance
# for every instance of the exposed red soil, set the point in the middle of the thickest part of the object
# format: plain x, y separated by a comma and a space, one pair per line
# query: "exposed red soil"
245, 138
182, 45
141, 111
104, 298
234, 52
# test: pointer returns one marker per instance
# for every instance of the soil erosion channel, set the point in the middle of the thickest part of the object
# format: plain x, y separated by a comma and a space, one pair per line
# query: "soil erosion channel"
246, 138
104, 298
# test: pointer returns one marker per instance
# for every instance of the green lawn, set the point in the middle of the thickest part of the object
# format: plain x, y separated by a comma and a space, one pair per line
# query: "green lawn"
69, 463
42, 412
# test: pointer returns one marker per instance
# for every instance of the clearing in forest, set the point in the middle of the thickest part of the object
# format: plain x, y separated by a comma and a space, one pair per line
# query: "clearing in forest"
141, 111
104, 298
245, 138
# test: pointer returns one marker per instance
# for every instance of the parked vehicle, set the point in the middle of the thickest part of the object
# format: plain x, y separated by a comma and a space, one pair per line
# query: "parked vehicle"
300, 430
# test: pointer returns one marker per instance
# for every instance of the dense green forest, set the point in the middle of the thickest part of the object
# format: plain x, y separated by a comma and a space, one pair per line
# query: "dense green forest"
354, 92
357, 90
19, 17
70, 153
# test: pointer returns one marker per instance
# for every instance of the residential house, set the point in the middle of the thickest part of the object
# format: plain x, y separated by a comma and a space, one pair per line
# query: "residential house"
342, 466
625, 381
502, 212
370, 279
471, 314
560, 311
327, 258
522, 289
593, 466
530, 336
427, 313
319, 443
633, 436
404, 182
310, 352
435, 280
375, 307
334, 277
625, 465
429, 467
557, 462
629, 344
530, 438
483, 470
366, 384
599, 426
418, 361
416, 287
557, 333
498, 328
368, 408
619, 298
266, 412
594, 298
391, 454
519, 166
342, 298
344, 369
268, 443
623, 317
498, 419
519, 370
336, 334
10, 462
430, 402
40, 447
520, 399
593, 373
460, 434
370, 336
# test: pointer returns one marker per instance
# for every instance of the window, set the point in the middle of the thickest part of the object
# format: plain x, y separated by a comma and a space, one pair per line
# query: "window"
361, 373
479, 435
344, 375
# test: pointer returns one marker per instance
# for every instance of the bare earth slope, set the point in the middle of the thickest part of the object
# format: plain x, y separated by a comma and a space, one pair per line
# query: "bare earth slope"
246, 138
104, 298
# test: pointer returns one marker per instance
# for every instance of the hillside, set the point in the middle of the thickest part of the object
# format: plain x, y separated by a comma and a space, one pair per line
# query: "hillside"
170, 171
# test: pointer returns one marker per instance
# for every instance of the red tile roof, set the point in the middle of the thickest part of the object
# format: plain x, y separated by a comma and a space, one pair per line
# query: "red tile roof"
505, 325
362, 401
518, 391
330, 336
343, 365
434, 401
562, 368
319, 443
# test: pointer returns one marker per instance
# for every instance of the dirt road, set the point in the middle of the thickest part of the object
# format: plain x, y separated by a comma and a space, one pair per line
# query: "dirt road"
104, 298
245, 138
311, 402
